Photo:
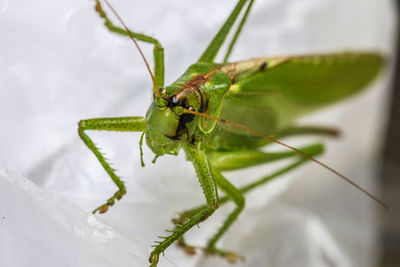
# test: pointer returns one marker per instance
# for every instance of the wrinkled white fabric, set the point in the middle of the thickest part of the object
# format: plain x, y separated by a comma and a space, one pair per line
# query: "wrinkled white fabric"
58, 65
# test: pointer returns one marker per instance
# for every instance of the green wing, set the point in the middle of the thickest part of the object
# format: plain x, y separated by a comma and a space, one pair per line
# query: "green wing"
267, 94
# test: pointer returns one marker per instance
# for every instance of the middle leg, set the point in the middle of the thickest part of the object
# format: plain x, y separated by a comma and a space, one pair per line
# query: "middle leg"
233, 193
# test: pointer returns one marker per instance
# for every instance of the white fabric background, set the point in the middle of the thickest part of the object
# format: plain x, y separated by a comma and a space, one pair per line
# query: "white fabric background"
58, 65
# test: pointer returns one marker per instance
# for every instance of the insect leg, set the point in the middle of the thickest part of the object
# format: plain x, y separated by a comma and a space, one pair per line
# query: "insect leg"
158, 50
266, 179
216, 43
234, 194
233, 160
307, 130
227, 141
121, 124
206, 178
249, 187
303, 130
238, 31
312, 150
243, 190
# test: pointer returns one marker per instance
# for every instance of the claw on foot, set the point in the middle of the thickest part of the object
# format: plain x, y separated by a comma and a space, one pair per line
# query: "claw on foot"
230, 256
233, 257
104, 208
101, 209
189, 250
153, 259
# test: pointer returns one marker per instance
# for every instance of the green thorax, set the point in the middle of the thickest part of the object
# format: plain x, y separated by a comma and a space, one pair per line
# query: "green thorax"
201, 88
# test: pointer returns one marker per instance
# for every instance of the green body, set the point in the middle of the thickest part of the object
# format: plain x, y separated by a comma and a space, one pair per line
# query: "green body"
263, 94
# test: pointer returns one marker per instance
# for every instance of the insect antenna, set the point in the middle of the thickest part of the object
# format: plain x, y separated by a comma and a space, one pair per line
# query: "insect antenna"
134, 41
305, 155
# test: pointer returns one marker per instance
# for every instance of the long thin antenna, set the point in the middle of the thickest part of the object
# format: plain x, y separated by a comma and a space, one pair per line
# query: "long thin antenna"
134, 41
291, 148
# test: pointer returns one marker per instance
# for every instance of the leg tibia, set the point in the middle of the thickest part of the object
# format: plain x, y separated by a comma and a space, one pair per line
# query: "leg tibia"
238, 31
158, 50
207, 181
217, 42
233, 193
180, 229
109, 124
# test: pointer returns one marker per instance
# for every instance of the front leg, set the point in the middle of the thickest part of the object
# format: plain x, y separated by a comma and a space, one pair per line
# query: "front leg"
122, 124
207, 182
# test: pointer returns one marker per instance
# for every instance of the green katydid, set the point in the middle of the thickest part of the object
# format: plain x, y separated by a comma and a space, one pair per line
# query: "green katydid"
221, 114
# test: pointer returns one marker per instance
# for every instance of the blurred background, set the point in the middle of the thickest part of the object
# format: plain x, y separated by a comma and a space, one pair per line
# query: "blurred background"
390, 170
58, 64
